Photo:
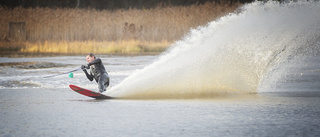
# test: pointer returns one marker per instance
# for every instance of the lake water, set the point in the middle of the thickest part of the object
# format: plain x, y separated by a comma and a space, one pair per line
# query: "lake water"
252, 73
35, 106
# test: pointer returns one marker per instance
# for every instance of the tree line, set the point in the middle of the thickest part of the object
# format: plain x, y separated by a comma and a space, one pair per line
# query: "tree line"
108, 4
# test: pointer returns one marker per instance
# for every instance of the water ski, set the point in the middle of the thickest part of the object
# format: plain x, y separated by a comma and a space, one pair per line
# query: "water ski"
89, 93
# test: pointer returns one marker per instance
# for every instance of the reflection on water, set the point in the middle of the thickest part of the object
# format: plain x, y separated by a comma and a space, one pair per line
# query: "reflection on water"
31, 65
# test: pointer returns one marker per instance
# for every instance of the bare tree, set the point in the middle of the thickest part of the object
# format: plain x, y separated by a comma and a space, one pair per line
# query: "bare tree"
78, 3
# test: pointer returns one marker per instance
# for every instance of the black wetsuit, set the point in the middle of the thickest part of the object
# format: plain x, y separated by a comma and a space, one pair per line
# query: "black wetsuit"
99, 73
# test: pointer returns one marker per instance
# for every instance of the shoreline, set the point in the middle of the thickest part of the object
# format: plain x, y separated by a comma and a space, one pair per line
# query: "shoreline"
40, 54
13, 54
53, 48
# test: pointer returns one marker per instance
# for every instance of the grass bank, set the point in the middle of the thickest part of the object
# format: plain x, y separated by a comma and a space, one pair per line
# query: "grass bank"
128, 47
98, 47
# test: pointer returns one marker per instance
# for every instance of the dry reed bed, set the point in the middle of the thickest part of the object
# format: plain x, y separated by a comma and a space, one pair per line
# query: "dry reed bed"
160, 25
99, 47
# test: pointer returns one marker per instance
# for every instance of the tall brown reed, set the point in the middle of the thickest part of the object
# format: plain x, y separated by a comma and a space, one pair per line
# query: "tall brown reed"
152, 25
161, 23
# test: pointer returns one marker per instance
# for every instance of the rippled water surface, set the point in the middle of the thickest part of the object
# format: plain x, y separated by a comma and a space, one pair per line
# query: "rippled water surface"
42, 107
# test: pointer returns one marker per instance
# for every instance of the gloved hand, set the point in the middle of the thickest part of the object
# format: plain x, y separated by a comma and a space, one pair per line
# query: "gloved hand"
83, 67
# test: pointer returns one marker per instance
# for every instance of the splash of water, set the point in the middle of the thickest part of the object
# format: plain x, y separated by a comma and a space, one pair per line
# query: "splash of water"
228, 56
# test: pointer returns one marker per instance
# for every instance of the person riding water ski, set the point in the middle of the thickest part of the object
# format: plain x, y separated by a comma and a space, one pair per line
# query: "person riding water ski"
97, 71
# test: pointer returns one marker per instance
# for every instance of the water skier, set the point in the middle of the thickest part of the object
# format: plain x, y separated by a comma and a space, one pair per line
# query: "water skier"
97, 71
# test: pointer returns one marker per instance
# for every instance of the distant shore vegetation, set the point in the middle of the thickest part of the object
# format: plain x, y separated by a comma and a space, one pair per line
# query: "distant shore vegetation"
123, 31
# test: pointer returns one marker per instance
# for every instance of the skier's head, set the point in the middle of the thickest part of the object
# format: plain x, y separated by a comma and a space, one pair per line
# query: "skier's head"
90, 57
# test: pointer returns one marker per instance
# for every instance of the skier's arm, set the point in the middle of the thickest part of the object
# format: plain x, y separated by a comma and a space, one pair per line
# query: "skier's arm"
96, 61
89, 76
